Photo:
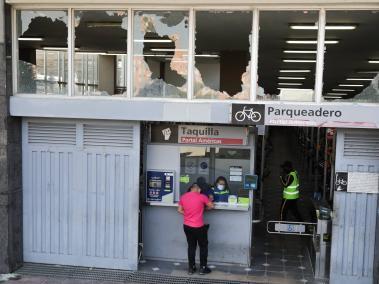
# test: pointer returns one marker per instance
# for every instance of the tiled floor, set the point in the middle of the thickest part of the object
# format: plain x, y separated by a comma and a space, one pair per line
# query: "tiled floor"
276, 259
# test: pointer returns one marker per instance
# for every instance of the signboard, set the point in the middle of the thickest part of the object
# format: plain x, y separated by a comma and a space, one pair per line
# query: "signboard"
248, 114
160, 186
250, 182
303, 115
341, 182
289, 228
198, 134
164, 133
212, 135
363, 182
357, 182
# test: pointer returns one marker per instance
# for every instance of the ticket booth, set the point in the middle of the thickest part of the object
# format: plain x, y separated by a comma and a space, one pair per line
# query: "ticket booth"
178, 155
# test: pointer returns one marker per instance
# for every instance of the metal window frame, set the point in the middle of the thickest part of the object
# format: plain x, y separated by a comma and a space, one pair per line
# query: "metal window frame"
253, 47
322, 8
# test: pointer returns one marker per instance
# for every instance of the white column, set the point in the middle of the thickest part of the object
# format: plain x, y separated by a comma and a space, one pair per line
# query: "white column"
70, 54
191, 52
129, 75
320, 56
254, 56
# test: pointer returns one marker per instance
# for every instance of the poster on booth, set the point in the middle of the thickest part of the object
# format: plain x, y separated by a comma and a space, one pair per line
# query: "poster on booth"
160, 186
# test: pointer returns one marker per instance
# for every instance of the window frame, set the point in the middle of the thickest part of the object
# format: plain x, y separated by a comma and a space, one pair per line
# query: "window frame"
254, 8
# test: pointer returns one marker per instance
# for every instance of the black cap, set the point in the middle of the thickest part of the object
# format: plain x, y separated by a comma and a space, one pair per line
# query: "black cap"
286, 165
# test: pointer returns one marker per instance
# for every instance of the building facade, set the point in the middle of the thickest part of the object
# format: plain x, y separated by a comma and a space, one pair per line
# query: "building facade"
86, 83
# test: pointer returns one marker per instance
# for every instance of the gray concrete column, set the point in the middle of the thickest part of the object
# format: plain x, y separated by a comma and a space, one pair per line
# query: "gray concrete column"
10, 157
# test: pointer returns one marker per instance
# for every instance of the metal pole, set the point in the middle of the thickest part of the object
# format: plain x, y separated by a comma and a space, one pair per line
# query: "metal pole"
263, 152
332, 168
325, 160
317, 159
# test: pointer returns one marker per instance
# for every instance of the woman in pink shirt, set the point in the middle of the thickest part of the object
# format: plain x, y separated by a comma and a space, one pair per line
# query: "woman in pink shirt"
192, 205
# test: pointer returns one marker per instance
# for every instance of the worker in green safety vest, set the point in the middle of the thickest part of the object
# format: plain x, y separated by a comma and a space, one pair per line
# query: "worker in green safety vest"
291, 193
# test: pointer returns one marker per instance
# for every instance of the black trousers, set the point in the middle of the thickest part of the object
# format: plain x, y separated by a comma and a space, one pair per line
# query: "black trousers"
290, 205
197, 236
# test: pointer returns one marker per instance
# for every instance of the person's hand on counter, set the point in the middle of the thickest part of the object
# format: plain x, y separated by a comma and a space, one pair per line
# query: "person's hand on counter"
210, 205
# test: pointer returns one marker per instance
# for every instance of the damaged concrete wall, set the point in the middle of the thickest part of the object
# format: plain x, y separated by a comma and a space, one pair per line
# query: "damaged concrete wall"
10, 157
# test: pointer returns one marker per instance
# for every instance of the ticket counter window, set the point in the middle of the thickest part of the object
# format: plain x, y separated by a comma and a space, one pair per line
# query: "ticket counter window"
209, 163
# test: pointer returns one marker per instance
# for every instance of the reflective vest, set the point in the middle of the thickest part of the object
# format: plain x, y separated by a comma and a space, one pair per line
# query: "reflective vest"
292, 190
221, 195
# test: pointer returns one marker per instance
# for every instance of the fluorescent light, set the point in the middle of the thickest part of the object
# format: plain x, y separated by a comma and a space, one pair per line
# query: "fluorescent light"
373, 61
152, 40
311, 41
343, 90
300, 51
54, 48
350, 85
327, 27
358, 79
295, 71
288, 88
116, 54
292, 78
336, 94
340, 27
31, 38
207, 55
299, 60
326, 97
168, 49
290, 84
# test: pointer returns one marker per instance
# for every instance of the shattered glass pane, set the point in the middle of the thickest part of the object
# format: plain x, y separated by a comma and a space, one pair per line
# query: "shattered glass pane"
222, 55
95, 61
42, 52
160, 54
351, 67
287, 55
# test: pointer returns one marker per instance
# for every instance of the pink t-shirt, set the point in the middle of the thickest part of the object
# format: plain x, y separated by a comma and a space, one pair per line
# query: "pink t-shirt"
193, 204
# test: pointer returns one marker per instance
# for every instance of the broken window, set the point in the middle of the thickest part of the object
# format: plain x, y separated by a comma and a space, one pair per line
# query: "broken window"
222, 55
100, 40
160, 59
42, 52
287, 55
351, 69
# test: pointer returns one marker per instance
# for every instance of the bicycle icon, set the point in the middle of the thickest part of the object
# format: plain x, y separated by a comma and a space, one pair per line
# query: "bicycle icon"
250, 114
341, 181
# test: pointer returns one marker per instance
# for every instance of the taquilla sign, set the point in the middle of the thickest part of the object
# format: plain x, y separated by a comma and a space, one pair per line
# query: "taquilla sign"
309, 115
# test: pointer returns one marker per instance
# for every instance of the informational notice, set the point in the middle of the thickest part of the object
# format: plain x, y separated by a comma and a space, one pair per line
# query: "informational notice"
160, 186
190, 165
363, 182
203, 166
357, 182
340, 181
235, 173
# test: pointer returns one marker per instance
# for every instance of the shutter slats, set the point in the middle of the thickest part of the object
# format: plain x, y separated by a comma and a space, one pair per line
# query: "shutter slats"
51, 133
361, 145
108, 136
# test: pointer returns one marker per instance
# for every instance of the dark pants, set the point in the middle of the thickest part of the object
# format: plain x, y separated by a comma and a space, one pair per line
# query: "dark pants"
290, 205
197, 236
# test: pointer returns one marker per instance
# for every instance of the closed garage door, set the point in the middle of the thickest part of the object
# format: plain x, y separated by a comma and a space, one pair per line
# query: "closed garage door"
80, 186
